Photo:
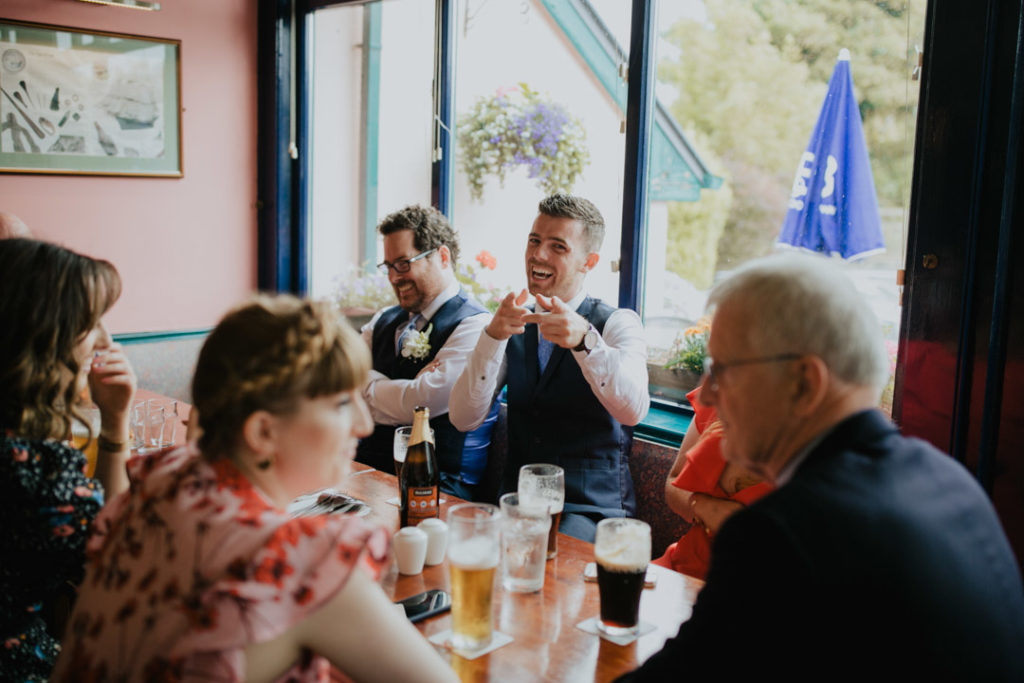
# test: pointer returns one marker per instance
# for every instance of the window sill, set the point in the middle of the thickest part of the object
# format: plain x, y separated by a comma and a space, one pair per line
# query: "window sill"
664, 424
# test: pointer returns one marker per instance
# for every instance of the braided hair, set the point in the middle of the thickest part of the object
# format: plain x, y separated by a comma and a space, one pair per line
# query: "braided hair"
268, 355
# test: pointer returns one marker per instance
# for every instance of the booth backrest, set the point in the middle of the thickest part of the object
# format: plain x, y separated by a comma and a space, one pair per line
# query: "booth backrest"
165, 365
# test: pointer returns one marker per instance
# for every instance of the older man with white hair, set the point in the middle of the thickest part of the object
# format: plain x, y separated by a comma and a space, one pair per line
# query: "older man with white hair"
878, 555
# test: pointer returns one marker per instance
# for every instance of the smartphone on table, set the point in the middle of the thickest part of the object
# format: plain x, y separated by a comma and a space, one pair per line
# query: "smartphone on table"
426, 604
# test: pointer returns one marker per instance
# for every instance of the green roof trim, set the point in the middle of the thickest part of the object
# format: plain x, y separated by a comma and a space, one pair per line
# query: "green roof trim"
677, 173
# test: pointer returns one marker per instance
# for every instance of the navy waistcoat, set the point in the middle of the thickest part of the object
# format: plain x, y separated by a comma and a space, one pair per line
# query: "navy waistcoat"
377, 450
556, 418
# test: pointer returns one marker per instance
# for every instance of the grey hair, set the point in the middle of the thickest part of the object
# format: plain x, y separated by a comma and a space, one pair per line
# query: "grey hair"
580, 209
797, 303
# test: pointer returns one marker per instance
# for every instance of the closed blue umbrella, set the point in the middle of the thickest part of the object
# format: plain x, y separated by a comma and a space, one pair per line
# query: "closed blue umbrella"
833, 208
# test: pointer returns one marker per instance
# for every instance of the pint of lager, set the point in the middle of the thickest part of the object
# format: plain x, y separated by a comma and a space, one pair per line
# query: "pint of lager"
622, 550
473, 553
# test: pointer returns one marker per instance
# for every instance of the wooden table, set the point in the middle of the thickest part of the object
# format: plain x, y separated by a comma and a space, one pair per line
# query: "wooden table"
547, 645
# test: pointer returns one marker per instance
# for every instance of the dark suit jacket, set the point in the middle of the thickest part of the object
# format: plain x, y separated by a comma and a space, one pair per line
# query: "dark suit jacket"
882, 558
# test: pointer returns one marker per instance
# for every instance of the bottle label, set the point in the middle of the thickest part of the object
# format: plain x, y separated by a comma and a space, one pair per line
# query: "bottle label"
422, 503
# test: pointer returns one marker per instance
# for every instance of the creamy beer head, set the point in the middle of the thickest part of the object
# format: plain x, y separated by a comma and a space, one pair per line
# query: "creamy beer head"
627, 549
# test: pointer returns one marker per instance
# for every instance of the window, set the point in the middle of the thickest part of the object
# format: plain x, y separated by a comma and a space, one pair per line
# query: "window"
371, 69
745, 82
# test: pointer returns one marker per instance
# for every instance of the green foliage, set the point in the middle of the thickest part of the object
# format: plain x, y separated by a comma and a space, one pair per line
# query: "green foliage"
751, 81
694, 229
516, 127
470, 278
690, 348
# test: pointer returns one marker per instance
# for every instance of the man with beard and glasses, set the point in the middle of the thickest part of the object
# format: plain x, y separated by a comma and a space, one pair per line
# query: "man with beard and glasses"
575, 368
420, 347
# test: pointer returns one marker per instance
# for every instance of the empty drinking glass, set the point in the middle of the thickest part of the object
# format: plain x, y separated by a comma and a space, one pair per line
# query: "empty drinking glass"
401, 447
524, 543
544, 485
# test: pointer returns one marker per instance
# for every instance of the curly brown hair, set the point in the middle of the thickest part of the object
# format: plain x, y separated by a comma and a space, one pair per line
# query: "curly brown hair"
580, 209
50, 297
429, 226
268, 354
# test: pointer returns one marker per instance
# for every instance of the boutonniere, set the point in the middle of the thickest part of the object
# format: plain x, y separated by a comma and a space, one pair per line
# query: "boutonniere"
417, 344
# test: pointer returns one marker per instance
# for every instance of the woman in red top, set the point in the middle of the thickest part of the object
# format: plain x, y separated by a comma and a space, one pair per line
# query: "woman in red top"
705, 490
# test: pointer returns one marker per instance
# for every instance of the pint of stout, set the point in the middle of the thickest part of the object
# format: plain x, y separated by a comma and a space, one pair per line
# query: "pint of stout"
474, 549
622, 550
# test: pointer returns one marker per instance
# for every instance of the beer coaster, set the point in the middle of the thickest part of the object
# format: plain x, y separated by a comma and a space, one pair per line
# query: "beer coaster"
590, 626
443, 639
397, 502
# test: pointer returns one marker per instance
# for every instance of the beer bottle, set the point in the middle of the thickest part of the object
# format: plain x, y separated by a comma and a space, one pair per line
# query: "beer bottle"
420, 481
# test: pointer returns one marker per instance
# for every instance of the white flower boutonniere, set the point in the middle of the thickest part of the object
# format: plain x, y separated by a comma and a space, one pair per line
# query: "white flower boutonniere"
417, 345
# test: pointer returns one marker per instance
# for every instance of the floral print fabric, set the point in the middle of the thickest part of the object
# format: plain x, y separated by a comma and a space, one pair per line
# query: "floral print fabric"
46, 506
193, 564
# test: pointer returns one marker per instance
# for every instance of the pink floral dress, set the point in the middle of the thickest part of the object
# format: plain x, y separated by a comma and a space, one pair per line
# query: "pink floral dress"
192, 565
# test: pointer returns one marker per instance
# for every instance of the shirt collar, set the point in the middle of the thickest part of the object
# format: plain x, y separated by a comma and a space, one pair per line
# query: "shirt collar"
790, 468
440, 300
577, 300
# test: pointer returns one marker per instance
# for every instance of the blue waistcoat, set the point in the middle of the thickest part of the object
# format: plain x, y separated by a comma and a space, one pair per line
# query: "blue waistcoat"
556, 418
377, 449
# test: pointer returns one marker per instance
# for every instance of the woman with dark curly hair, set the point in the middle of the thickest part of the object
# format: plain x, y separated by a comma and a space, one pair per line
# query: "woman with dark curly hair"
199, 572
52, 345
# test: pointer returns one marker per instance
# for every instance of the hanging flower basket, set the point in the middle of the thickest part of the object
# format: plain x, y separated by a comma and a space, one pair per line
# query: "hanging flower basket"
517, 127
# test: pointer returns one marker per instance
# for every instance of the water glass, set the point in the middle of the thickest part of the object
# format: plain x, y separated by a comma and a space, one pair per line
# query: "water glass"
474, 550
544, 485
153, 424
622, 550
524, 544
401, 447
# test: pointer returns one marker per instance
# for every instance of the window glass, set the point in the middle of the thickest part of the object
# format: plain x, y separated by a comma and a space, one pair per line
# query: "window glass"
539, 106
744, 83
371, 71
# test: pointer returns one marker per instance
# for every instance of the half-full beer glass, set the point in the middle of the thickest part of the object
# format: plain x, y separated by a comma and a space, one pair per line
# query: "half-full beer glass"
474, 550
622, 550
544, 485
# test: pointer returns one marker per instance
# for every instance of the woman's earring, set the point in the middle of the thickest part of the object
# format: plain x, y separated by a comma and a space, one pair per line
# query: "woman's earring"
265, 464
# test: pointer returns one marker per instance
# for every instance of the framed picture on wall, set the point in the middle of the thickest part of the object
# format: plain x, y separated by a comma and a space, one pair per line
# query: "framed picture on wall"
88, 102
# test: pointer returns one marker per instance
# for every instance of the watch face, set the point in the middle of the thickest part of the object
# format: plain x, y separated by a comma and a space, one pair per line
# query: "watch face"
13, 60
590, 340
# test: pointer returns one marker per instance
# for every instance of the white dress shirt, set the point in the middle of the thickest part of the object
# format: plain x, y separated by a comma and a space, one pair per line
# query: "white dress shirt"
392, 401
616, 371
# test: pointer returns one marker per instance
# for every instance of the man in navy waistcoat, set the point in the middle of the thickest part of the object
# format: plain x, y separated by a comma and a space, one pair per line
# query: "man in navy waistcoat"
420, 347
878, 556
575, 369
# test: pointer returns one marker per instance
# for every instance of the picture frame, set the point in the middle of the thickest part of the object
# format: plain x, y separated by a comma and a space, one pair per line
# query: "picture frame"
82, 102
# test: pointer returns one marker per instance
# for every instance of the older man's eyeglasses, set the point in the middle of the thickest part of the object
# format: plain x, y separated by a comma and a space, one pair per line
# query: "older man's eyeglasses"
714, 370
403, 265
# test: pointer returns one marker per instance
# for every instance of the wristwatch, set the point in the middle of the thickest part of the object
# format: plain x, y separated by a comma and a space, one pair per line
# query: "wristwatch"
589, 341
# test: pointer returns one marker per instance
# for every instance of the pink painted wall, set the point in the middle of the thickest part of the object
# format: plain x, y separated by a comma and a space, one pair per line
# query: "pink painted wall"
185, 247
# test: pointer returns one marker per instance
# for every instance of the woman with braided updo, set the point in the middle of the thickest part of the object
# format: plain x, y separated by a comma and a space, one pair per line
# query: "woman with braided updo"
200, 573
52, 345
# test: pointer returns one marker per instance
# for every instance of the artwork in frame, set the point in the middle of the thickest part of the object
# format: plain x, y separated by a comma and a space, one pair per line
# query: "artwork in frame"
88, 102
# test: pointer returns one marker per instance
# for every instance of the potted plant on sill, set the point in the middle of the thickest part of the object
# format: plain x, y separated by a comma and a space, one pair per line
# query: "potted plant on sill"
684, 368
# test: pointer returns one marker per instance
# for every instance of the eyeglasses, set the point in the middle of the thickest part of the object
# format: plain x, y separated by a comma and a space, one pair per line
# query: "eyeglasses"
402, 265
714, 370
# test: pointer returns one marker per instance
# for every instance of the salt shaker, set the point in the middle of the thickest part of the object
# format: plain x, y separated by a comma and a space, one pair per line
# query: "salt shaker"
437, 539
410, 544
